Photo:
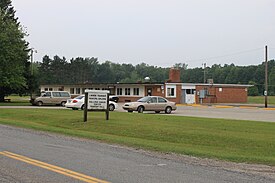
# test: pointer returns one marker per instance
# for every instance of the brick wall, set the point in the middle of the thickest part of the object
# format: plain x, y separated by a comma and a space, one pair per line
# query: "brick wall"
174, 75
223, 94
231, 95
156, 90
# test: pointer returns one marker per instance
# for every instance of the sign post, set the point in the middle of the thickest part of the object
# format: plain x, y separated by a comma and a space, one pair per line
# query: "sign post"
96, 100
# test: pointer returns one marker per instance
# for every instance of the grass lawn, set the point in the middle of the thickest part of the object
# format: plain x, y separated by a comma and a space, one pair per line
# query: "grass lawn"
233, 140
261, 100
16, 101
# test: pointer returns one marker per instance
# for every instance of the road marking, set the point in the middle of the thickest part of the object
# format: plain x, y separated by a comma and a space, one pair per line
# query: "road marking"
223, 106
53, 168
248, 107
269, 109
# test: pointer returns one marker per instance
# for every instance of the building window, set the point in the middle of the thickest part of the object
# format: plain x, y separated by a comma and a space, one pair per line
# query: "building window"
97, 88
190, 91
136, 91
72, 90
77, 90
83, 90
171, 92
127, 91
119, 91
50, 89
46, 89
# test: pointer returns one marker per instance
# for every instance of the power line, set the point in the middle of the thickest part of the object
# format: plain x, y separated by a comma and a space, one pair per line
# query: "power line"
232, 54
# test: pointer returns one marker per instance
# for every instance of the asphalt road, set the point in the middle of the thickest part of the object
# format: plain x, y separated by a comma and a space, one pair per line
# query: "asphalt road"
97, 160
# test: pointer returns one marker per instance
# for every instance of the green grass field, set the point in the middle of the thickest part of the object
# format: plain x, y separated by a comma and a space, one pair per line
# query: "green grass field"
16, 101
232, 140
261, 100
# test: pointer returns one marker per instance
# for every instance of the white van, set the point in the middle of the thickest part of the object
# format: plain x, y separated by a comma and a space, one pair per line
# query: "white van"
52, 98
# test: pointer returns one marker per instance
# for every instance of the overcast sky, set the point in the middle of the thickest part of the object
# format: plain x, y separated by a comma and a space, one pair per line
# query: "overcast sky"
157, 32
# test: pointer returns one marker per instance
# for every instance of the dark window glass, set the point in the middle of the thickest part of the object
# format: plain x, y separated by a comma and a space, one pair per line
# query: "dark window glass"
119, 91
127, 91
79, 97
64, 94
56, 94
171, 91
144, 99
72, 90
77, 90
136, 91
161, 100
47, 94
153, 100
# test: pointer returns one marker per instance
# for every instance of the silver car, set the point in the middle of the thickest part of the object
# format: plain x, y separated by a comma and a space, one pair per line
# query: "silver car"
52, 97
151, 103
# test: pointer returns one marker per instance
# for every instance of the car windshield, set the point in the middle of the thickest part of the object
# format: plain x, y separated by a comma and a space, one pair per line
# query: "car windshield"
144, 99
79, 97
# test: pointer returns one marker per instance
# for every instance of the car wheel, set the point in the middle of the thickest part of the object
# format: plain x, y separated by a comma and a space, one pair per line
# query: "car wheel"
111, 107
157, 111
140, 109
82, 107
168, 110
63, 104
130, 111
39, 103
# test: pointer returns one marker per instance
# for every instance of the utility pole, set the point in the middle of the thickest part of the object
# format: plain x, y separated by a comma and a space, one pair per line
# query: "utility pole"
32, 50
266, 83
204, 73
35, 51
31, 61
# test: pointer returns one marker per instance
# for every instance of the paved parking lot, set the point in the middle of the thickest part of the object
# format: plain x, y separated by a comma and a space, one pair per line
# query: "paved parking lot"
225, 112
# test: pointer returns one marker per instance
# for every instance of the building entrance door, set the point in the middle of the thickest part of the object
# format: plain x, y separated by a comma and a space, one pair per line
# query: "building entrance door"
190, 96
149, 91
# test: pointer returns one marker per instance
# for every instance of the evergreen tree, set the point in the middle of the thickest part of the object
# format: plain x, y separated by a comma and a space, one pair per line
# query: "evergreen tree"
13, 53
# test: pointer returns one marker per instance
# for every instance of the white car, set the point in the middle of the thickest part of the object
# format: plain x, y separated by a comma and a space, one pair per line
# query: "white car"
78, 103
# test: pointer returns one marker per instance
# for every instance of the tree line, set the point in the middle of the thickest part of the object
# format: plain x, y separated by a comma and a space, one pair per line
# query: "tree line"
58, 70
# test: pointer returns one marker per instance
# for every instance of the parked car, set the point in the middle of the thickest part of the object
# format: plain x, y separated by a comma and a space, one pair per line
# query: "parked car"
52, 98
151, 103
113, 98
78, 103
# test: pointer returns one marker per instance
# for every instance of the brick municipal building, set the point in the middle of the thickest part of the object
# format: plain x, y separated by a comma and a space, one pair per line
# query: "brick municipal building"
173, 89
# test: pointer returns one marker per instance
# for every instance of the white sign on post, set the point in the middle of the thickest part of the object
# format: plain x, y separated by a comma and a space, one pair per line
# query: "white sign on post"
97, 99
